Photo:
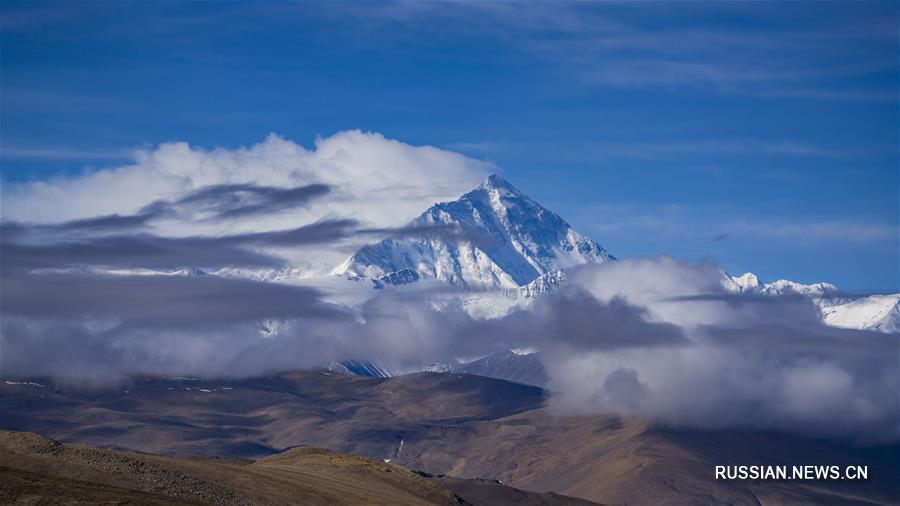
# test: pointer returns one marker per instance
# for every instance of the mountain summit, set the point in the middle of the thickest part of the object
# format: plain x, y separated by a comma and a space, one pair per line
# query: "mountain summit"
505, 240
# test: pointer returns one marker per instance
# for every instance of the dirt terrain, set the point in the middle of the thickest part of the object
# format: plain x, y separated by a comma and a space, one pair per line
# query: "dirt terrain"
458, 425
260, 416
39, 470
622, 461
24, 487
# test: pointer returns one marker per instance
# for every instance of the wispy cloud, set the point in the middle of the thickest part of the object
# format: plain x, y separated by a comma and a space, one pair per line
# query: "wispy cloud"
481, 147
683, 222
748, 147
658, 45
62, 154
125, 241
826, 230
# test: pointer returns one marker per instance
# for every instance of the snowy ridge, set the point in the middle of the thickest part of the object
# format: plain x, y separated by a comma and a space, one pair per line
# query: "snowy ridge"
749, 283
506, 240
266, 275
874, 312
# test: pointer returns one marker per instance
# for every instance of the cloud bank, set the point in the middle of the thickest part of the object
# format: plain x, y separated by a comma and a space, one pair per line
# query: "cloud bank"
381, 181
749, 361
378, 182
675, 349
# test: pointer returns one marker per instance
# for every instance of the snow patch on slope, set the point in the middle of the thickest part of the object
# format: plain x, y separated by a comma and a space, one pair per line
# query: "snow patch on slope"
875, 312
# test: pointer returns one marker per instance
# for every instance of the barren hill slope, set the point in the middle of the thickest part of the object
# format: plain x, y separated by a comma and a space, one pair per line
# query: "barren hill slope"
40, 470
455, 424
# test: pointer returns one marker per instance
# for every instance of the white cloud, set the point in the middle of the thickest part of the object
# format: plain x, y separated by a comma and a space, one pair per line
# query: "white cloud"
402, 179
653, 282
750, 362
378, 181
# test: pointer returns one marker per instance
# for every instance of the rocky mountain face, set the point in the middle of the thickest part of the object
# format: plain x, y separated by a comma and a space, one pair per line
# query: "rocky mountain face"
493, 237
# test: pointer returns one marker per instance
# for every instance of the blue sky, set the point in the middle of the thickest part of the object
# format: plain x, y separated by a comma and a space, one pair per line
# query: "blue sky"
761, 135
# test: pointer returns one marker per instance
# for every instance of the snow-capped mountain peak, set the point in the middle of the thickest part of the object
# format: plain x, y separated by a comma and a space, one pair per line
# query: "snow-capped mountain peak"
874, 312
749, 283
746, 282
505, 239
497, 183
